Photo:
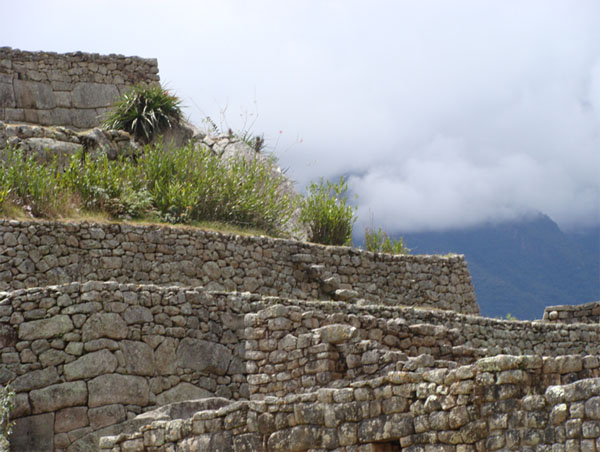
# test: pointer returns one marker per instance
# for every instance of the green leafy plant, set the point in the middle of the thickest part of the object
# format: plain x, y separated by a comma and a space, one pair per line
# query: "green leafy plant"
145, 112
380, 242
327, 214
195, 184
25, 182
7, 397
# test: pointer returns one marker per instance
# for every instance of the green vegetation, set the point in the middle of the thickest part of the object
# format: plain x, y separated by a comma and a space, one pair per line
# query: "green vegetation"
327, 214
7, 397
145, 112
183, 185
380, 242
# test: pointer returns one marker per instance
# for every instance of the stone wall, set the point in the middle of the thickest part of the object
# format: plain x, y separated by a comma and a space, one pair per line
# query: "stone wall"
86, 358
582, 313
44, 253
83, 357
498, 403
72, 90
294, 347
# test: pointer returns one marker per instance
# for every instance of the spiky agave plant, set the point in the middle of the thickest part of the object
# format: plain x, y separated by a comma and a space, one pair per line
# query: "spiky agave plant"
145, 111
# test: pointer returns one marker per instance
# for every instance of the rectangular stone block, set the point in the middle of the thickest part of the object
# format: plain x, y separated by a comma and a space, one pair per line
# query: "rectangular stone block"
94, 95
35, 95
63, 98
14, 114
59, 396
7, 96
33, 433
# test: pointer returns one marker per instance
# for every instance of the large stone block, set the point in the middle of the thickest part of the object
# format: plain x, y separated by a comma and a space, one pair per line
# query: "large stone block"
116, 388
106, 415
295, 439
33, 434
91, 365
165, 357
109, 325
45, 328
34, 95
181, 393
59, 396
85, 118
94, 95
139, 358
71, 419
35, 379
7, 96
203, 356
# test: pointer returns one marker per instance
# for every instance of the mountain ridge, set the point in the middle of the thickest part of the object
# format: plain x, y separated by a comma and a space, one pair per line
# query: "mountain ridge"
519, 267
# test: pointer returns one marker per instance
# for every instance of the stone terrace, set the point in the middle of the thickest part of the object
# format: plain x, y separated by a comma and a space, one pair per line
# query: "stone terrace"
120, 359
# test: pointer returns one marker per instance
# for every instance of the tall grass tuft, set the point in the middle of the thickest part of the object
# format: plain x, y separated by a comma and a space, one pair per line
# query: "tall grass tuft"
28, 184
327, 214
380, 242
182, 185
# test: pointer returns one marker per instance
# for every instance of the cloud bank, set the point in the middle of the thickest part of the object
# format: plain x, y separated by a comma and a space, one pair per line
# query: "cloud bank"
443, 114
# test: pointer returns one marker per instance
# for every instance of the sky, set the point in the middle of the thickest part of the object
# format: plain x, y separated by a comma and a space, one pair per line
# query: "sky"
441, 114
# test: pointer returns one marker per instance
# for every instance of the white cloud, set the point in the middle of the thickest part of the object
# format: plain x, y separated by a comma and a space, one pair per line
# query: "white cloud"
446, 113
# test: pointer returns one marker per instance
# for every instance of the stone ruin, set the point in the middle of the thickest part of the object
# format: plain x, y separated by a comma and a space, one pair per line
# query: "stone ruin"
129, 338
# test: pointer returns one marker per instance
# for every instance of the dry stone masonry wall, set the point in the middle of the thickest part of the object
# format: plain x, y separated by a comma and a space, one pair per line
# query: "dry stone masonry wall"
71, 90
497, 403
44, 253
87, 358
583, 313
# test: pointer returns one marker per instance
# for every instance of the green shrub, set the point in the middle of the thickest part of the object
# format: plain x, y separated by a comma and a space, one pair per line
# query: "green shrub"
7, 397
327, 214
29, 184
195, 184
115, 187
145, 112
380, 242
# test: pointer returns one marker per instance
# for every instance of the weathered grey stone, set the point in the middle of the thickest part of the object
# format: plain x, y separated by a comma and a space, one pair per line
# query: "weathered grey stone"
91, 365
182, 392
202, 355
85, 119
295, 439
592, 408
109, 325
115, 388
137, 314
106, 415
337, 333
45, 328
7, 96
55, 397
33, 95
33, 433
93, 95
212, 270
165, 356
69, 419
139, 358
35, 379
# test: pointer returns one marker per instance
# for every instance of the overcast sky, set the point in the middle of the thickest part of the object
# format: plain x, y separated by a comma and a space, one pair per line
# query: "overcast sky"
443, 113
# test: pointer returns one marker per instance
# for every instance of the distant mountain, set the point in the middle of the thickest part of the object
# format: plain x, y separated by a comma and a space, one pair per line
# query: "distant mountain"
521, 267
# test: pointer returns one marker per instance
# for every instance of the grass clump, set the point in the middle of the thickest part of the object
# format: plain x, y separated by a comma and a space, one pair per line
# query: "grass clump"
380, 242
145, 112
327, 214
184, 185
29, 185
